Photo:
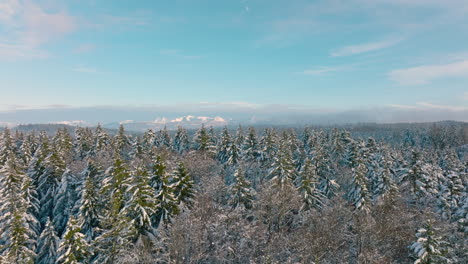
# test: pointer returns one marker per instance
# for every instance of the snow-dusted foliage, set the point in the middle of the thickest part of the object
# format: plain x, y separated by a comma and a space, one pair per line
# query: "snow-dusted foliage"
353, 194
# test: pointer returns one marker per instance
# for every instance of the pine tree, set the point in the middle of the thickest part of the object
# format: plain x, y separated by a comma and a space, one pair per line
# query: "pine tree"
251, 146
269, 145
118, 229
65, 199
282, 171
235, 154
241, 191
89, 209
121, 141
47, 245
181, 141
141, 205
16, 237
202, 139
158, 171
137, 150
6, 146
312, 197
164, 138
83, 142
429, 247
101, 139
48, 182
359, 195
183, 184
167, 202
73, 247
149, 140
224, 146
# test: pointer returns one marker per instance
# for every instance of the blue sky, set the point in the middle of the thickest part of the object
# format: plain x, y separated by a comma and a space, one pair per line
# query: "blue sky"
327, 55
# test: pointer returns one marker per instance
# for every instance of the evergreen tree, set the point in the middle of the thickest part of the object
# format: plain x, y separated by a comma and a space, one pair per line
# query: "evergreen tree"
65, 199
121, 141
202, 140
167, 202
181, 141
47, 245
149, 139
16, 237
183, 184
251, 146
89, 208
101, 139
141, 205
282, 171
241, 191
73, 247
164, 138
359, 195
312, 197
429, 247
224, 146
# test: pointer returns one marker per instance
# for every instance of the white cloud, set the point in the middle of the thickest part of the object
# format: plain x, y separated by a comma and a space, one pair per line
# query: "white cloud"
27, 26
426, 106
319, 71
426, 73
365, 47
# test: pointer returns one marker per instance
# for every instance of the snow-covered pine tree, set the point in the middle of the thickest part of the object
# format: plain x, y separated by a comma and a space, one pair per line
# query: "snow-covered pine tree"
167, 202
101, 139
235, 154
164, 138
83, 142
141, 205
158, 170
117, 229
6, 146
89, 210
149, 140
47, 245
121, 141
202, 140
73, 248
312, 197
224, 146
251, 146
181, 142
47, 184
358, 194
268, 144
282, 170
17, 239
137, 150
241, 191
429, 247
183, 185
65, 198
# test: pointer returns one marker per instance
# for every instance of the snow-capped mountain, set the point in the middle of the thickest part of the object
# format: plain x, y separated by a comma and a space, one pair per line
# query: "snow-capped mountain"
188, 122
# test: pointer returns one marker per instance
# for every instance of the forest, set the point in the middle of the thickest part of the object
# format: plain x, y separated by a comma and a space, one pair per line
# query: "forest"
348, 194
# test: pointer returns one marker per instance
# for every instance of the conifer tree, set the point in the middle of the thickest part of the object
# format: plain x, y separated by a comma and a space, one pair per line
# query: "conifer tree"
241, 191
269, 146
47, 245
65, 199
359, 195
141, 205
282, 171
73, 248
202, 139
16, 237
164, 138
429, 247
158, 170
89, 211
149, 139
312, 197
167, 202
121, 141
181, 141
224, 146
101, 139
183, 184
251, 146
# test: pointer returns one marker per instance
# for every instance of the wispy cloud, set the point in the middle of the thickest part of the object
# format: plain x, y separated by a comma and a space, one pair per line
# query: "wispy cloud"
27, 26
426, 73
319, 70
364, 47
425, 106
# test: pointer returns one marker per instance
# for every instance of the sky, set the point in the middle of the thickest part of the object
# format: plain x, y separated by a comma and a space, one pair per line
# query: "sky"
323, 56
